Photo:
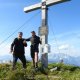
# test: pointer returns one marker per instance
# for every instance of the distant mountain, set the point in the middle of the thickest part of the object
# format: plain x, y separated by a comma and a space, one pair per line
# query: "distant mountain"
57, 57
52, 58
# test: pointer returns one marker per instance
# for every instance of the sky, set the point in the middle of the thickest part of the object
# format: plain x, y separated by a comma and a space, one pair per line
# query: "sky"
63, 23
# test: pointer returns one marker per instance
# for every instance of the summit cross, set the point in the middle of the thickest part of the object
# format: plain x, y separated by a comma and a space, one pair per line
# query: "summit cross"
43, 30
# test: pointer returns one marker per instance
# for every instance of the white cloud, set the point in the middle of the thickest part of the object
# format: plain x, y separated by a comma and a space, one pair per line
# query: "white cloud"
64, 47
66, 43
5, 49
27, 52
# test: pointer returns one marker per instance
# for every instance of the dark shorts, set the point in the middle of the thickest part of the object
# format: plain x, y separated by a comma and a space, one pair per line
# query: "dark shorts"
33, 50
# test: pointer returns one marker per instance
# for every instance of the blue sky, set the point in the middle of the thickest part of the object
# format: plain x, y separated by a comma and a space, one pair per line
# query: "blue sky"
63, 21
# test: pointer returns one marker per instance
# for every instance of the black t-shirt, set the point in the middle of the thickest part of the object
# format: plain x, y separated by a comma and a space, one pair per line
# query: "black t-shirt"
18, 47
34, 40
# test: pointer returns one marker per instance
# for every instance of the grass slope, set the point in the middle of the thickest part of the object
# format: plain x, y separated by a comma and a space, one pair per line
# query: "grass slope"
63, 72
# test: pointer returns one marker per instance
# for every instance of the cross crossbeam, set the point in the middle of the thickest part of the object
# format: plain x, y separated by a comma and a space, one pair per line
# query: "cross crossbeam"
39, 5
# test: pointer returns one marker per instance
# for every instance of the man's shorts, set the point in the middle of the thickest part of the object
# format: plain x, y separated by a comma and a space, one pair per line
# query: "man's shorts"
33, 50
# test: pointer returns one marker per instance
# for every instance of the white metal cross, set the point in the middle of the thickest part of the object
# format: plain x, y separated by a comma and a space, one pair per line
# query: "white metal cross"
44, 27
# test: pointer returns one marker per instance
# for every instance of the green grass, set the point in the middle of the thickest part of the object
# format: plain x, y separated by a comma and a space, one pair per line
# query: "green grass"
63, 72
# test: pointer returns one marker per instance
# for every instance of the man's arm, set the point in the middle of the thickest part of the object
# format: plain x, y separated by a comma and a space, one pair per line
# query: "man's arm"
28, 39
12, 45
24, 43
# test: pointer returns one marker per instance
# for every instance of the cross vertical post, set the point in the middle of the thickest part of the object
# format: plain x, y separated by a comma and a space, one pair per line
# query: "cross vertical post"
44, 35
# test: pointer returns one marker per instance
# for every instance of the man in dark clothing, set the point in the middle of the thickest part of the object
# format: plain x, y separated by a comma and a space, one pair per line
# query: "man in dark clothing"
17, 47
35, 40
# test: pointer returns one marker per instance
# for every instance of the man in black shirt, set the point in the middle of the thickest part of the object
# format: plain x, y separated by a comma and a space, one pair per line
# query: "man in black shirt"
18, 49
35, 40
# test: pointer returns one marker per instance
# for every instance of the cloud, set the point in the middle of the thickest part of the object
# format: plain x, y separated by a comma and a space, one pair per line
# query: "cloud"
67, 43
64, 47
27, 52
5, 49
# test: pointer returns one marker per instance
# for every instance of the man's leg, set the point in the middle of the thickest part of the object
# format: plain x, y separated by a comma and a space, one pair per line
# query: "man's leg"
33, 60
23, 60
15, 58
36, 59
33, 56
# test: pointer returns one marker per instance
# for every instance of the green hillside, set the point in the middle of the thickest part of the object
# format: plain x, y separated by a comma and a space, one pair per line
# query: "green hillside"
62, 72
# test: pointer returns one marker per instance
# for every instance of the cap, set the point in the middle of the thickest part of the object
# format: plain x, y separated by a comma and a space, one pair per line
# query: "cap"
32, 31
